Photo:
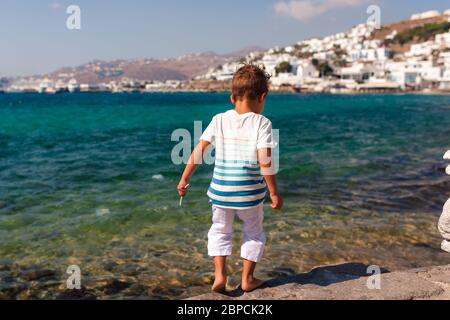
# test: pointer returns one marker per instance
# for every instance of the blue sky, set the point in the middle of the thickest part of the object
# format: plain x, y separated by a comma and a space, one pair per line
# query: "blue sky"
35, 38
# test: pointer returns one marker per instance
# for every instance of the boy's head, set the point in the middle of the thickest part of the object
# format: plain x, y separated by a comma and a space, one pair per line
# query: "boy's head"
250, 83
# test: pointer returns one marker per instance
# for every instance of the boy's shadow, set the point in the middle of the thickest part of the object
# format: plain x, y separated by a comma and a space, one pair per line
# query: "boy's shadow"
321, 276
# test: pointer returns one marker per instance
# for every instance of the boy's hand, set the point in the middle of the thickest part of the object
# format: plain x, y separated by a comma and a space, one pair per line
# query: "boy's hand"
183, 188
277, 201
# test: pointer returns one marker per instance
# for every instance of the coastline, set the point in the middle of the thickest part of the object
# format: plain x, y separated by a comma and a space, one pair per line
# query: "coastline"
347, 281
224, 87
286, 91
208, 86
350, 281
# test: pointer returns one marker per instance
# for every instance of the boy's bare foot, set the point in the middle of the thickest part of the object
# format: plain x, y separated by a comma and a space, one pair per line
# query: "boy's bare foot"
219, 285
220, 275
252, 284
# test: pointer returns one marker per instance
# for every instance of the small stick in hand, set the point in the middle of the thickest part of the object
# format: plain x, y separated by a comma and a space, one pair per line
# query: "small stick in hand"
181, 198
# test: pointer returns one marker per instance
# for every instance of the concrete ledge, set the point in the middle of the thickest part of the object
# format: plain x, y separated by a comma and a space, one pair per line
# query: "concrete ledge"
349, 282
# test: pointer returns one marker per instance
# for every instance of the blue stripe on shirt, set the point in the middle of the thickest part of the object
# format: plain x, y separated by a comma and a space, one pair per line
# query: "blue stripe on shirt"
238, 168
221, 174
237, 193
236, 183
241, 204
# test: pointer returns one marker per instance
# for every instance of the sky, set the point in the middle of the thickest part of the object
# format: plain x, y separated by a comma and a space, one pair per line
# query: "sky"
36, 40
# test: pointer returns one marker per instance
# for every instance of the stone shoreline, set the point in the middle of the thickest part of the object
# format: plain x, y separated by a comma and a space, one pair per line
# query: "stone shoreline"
349, 282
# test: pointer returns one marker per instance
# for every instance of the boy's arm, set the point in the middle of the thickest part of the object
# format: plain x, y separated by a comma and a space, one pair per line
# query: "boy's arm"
194, 161
265, 162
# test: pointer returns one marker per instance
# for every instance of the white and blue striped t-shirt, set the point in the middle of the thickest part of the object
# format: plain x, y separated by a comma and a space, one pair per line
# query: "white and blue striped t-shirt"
237, 181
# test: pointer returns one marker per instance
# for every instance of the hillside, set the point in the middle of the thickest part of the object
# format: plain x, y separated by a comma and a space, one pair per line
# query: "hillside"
182, 68
404, 29
384, 59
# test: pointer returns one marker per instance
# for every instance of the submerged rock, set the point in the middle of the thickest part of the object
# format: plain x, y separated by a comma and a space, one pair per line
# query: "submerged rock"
6, 276
33, 275
82, 294
114, 286
110, 266
6, 265
164, 292
280, 272
9, 291
135, 290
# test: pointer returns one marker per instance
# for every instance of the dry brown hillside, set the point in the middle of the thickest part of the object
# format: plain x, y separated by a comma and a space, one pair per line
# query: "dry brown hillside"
404, 26
182, 68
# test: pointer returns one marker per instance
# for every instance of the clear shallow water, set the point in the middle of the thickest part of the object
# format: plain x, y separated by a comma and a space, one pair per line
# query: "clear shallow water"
363, 180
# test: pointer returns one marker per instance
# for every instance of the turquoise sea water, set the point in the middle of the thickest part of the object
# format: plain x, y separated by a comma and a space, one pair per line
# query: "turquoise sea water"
87, 179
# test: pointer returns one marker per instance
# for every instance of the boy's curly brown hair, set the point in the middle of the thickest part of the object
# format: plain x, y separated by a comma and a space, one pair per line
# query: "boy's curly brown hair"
250, 82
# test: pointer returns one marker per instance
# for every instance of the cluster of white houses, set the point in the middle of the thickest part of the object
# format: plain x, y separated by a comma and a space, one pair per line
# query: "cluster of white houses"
125, 85
66, 81
357, 63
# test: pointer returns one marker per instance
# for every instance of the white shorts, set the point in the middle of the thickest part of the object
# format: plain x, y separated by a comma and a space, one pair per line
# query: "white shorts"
220, 235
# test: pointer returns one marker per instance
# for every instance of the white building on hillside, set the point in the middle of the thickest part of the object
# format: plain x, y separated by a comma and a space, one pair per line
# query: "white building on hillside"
224, 73
430, 72
425, 15
324, 55
398, 72
378, 54
421, 49
445, 81
413, 73
443, 40
302, 72
357, 72
271, 61
392, 35
444, 59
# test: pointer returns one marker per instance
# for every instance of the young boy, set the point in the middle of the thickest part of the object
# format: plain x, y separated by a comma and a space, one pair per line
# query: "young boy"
243, 171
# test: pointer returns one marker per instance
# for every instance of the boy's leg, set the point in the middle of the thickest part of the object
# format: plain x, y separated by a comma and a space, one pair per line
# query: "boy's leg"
220, 244
249, 282
220, 274
253, 247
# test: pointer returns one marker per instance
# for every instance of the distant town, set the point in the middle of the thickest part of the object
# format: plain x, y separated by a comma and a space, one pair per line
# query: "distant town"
409, 56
